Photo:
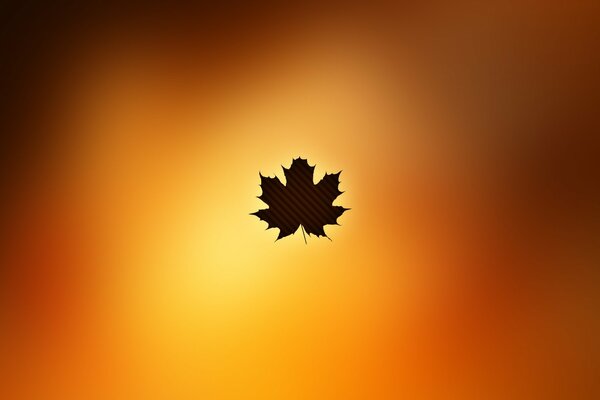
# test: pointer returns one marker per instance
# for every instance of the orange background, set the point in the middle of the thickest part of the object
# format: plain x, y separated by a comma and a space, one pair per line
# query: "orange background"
465, 268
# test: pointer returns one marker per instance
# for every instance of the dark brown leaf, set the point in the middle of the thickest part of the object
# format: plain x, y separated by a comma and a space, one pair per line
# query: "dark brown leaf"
300, 201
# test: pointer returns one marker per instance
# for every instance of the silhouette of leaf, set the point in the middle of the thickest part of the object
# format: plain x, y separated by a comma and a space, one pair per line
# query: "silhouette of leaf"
300, 201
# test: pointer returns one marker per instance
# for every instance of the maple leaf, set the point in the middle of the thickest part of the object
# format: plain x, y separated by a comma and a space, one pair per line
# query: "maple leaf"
300, 202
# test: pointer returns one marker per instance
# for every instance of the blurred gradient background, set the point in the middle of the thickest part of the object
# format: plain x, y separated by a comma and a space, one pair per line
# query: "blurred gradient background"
133, 135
